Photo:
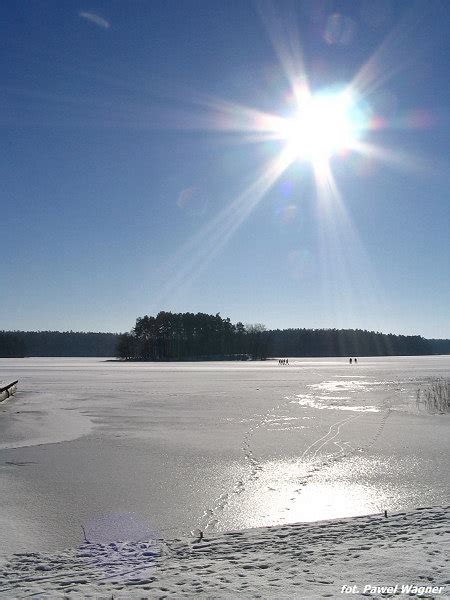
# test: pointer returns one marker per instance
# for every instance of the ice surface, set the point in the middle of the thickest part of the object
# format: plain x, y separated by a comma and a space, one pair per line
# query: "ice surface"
157, 450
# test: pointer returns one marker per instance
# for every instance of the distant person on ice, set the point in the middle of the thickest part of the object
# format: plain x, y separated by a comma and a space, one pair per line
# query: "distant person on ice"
350, 360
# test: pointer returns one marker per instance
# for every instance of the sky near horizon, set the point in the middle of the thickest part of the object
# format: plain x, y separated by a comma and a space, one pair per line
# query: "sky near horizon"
148, 162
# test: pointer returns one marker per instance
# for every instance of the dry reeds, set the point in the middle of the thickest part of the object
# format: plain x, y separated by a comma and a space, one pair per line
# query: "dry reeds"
435, 397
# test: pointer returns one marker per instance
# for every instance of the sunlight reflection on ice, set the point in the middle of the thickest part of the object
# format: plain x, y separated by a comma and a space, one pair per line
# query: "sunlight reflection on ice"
335, 386
324, 395
331, 403
289, 491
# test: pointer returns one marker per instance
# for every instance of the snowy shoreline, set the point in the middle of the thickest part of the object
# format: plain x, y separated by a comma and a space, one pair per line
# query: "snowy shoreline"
339, 558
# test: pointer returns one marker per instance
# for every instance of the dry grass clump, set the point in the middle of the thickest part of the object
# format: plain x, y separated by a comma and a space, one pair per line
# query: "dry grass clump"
435, 397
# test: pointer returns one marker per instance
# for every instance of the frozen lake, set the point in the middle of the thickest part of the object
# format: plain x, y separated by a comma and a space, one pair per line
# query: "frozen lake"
132, 451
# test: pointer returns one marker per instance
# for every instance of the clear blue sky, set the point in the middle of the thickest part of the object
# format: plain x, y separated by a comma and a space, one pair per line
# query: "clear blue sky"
128, 164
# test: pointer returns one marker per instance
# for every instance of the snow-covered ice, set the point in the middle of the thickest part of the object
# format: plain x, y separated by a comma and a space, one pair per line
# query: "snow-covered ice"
292, 561
147, 452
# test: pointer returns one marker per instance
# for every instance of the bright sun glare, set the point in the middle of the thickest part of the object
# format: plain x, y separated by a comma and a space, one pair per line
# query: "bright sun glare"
325, 124
311, 127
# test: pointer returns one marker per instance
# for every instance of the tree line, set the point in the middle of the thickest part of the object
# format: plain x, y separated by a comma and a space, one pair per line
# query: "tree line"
440, 346
189, 336
176, 336
11, 346
57, 343
345, 342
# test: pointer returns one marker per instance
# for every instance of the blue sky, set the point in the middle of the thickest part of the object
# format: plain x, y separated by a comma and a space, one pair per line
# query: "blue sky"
135, 179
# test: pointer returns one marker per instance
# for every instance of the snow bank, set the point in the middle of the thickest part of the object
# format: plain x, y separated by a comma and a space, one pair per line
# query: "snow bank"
356, 557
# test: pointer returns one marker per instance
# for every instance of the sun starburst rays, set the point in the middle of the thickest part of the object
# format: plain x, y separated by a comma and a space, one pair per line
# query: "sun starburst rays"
195, 255
322, 126
315, 129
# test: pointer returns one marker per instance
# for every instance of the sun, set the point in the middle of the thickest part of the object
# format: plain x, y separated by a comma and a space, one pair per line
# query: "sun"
325, 124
